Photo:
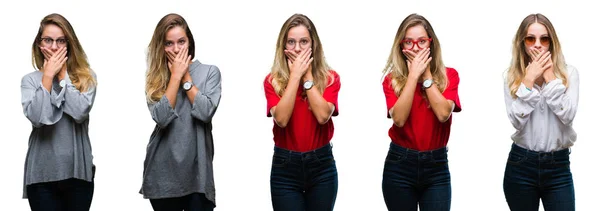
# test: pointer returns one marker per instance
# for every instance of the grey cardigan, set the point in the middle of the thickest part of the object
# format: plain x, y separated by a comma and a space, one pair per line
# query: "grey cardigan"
59, 145
180, 152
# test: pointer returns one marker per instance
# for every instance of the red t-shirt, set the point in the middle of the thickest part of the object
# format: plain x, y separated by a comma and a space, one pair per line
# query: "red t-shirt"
422, 130
303, 132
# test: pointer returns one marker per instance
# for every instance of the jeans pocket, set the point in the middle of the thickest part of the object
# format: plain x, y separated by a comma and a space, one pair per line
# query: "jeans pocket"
325, 158
516, 159
279, 161
394, 157
561, 163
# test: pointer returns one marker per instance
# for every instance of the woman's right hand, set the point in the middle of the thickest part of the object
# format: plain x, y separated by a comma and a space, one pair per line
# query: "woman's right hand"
539, 63
419, 63
300, 64
179, 63
53, 61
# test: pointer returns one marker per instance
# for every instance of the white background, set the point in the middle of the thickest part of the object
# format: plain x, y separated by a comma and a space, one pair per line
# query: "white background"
239, 37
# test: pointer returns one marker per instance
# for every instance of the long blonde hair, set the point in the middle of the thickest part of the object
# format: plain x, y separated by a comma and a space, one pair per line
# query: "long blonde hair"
520, 58
78, 67
158, 74
280, 72
396, 65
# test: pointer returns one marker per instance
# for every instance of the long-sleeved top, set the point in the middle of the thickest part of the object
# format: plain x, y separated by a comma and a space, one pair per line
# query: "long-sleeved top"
543, 117
180, 152
59, 145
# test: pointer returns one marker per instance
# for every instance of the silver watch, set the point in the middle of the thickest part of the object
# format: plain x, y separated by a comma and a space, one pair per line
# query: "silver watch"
427, 83
307, 85
187, 85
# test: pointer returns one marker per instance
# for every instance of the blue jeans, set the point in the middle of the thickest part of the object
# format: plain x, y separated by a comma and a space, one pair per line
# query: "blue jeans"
303, 180
531, 176
71, 195
191, 202
411, 177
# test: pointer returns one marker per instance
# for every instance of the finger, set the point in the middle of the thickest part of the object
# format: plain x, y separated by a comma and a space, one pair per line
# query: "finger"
189, 60
421, 55
544, 55
293, 55
535, 53
59, 53
308, 55
44, 52
171, 56
547, 57
427, 55
185, 53
424, 54
64, 54
63, 61
309, 62
428, 60
304, 54
289, 63
409, 54
408, 62
288, 54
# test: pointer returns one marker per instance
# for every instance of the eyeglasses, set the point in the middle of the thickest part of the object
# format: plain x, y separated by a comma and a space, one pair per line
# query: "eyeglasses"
291, 44
420, 43
61, 42
530, 40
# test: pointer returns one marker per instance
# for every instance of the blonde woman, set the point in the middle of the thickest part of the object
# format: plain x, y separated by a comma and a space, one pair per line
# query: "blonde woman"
301, 93
421, 94
541, 95
57, 99
182, 96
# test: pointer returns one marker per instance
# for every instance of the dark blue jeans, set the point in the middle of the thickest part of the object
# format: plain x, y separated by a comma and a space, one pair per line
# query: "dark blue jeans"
192, 202
531, 176
65, 195
303, 180
411, 177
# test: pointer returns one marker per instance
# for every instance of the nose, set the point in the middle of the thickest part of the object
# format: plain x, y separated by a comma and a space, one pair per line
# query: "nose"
297, 47
538, 44
54, 46
415, 49
177, 48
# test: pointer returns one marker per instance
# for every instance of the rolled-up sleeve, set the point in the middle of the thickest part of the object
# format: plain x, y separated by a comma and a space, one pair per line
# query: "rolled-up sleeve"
520, 108
162, 112
78, 104
207, 100
561, 100
39, 105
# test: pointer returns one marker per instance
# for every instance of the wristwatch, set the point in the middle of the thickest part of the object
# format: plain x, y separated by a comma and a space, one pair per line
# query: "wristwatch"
307, 85
187, 85
427, 83
62, 83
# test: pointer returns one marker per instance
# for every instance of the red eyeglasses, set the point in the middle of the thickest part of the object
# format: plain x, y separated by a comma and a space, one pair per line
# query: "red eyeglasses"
420, 43
530, 40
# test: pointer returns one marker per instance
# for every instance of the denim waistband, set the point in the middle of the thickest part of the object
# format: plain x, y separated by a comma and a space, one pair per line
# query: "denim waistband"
434, 153
530, 153
320, 151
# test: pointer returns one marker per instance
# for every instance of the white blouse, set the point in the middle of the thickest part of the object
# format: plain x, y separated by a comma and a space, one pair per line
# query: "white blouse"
544, 116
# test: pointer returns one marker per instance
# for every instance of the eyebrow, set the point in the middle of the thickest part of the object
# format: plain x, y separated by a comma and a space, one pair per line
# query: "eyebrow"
167, 40
63, 37
421, 37
307, 38
533, 35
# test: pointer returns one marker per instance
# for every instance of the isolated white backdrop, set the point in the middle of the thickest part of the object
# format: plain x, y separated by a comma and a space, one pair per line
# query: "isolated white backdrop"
239, 37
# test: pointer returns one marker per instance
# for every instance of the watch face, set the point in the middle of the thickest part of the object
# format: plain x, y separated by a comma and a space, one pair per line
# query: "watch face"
427, 83
62, 83
308, 84
187, 85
